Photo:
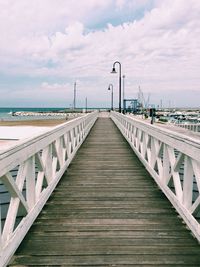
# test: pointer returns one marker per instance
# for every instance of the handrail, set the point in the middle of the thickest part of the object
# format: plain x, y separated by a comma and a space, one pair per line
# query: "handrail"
172, 159
30, 171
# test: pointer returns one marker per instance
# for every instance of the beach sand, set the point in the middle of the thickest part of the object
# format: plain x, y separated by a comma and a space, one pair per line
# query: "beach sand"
43, 123
23, 129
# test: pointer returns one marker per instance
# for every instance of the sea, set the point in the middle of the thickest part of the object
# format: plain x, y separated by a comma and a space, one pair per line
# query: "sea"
6, 113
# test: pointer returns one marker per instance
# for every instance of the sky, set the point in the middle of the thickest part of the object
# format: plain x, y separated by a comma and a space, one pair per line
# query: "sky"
48, 45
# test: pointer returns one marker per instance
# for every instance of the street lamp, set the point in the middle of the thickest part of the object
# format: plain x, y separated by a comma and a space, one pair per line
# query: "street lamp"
110, 87
120, 81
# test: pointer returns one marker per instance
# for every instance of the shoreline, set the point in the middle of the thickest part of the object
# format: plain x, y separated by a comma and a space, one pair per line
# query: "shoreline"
22, 116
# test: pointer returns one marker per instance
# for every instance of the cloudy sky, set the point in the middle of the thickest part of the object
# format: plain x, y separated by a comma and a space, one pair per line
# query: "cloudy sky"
47, 45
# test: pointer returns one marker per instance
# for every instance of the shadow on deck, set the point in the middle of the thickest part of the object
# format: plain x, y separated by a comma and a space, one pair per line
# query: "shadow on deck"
107, 211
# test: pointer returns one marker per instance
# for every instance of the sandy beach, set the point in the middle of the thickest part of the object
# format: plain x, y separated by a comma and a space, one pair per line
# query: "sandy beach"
13, 131
39, 123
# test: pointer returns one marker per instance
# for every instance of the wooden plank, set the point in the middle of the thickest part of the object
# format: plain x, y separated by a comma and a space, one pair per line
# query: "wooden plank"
108, 260
107, 211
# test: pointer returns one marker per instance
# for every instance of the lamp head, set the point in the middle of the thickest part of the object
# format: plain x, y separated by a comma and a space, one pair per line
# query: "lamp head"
113, 70
109, 88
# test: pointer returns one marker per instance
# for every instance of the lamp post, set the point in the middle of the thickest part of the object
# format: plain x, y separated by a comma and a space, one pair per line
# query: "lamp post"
123, 95
120, 81
110, 87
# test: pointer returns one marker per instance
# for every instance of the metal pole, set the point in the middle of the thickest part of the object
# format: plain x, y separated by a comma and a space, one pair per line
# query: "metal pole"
112, 99
161, 104
74, 95
152, 119
123, 95
86, 104
120, 89
110, 87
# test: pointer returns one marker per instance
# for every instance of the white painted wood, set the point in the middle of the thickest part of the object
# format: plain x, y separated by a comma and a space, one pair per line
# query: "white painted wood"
13, 189
159, 159
168, 156
1, 250
30, 182
41, 162
196, 169
196, 206
187, 183
175, 174
191, 127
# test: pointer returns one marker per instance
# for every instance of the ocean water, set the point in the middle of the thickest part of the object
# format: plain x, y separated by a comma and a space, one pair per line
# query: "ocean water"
6, 113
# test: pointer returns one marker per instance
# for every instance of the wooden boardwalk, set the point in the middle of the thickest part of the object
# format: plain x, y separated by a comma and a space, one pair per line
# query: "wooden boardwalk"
107, 211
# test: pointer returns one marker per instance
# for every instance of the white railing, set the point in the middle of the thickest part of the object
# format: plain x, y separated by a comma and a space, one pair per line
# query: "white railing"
172, 159
192, 127
29, 172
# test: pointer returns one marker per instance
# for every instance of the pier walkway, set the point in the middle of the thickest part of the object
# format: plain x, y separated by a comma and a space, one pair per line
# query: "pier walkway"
107, 211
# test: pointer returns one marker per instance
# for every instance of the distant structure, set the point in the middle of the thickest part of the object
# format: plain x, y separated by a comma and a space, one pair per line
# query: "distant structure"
137, 105
131, 106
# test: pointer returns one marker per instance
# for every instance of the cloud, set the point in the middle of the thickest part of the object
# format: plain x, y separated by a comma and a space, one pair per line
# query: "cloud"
159, 50
54, 87
42, 17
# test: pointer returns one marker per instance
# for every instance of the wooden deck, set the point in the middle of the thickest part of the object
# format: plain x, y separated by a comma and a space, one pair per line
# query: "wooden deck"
107, 211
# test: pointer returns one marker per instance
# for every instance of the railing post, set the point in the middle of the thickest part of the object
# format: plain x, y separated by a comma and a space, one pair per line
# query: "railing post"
30, 182
187, 183
166, 165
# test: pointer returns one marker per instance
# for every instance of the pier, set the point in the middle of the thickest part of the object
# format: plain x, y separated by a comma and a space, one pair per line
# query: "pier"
102, 191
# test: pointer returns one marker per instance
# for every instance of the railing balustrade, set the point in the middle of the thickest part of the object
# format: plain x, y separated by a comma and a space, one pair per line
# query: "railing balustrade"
192, 126
29, 172
172, 159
